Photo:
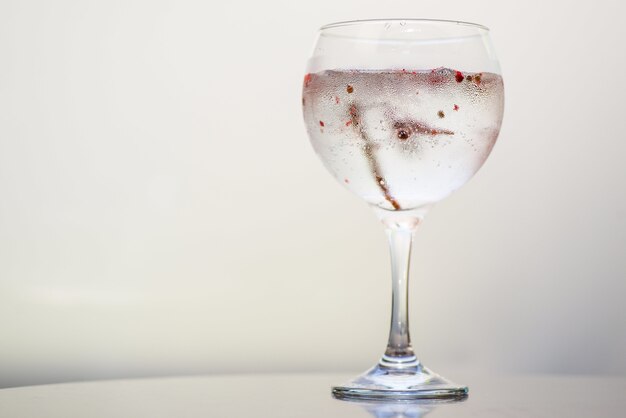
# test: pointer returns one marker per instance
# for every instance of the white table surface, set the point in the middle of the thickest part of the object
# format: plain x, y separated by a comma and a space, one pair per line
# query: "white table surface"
308, 395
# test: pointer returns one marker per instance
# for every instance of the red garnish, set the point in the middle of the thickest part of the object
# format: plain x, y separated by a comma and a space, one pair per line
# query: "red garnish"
307, 79
368, 150
437, 76
383, 186
403, 133
348, 123
321, 124
456, 107
459, 76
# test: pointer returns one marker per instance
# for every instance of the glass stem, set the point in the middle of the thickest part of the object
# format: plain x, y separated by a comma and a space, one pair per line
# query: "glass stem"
399, 353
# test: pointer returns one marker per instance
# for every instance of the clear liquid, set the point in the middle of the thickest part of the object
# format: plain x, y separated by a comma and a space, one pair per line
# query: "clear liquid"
403, 139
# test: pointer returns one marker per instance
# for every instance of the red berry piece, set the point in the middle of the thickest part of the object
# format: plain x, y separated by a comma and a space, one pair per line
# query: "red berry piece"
459, 76
307, 79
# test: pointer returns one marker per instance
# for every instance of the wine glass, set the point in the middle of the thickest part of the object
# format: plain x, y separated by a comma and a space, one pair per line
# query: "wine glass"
402, 112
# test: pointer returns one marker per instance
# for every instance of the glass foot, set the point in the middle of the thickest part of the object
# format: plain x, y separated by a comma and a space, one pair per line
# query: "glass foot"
382, 383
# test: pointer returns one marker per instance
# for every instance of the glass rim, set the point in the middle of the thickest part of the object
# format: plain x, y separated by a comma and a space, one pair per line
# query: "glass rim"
407, 20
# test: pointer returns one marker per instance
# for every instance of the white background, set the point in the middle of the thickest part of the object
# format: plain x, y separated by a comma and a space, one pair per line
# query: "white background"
162, 212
